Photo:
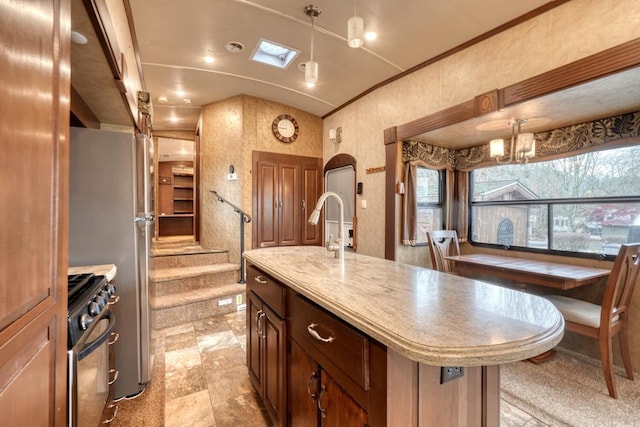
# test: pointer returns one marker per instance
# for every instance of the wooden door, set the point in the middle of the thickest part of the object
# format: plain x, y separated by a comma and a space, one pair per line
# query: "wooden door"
288, 204
266, 221
311, 191
254, 348
274, 351
285, 189
337, 407
304, 377
33, 225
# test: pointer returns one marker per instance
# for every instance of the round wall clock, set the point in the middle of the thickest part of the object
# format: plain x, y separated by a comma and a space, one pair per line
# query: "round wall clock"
285, 128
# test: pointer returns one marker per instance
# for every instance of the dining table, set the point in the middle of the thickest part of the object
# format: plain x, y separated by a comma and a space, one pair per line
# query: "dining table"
522, 271
515, 270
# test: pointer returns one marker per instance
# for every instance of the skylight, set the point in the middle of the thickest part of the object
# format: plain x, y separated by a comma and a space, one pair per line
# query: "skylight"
274, 54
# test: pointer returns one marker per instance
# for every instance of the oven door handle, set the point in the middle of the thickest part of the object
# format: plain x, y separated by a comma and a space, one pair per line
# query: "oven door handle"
104, 336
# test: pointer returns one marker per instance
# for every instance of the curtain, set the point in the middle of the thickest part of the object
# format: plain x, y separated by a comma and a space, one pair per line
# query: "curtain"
409, 203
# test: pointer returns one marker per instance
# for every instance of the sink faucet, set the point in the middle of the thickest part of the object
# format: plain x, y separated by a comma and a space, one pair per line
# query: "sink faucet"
337, 246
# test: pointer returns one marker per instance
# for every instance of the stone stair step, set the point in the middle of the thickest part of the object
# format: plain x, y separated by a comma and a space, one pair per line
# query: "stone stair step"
171, 310
171, 259
185, 279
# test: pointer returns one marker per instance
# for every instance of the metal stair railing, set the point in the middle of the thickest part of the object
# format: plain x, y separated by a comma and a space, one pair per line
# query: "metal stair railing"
245, 218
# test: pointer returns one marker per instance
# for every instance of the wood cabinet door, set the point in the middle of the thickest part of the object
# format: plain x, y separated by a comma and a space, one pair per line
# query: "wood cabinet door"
311, 192
267, 203
304, 377
274, 377
289, 204
254, 348
337, 407
34, 198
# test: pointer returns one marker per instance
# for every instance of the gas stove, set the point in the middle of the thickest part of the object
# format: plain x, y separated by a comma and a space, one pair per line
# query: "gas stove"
88, 294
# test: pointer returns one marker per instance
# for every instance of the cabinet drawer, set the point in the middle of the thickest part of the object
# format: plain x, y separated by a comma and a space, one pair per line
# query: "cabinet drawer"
340, 344
268, 289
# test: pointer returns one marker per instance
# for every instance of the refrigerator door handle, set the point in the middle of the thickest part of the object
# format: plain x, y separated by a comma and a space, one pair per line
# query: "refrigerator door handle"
147, 218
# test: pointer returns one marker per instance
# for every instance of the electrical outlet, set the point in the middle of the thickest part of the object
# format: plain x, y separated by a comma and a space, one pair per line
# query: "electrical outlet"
449, 373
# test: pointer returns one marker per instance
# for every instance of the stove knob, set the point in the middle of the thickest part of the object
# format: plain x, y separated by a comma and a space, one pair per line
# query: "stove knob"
85, 321
111, 289
94, 309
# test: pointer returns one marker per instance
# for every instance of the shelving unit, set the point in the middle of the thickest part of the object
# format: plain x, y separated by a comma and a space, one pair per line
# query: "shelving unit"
176, 204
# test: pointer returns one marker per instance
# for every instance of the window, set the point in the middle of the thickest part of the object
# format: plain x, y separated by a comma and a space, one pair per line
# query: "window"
584, 205
429, 198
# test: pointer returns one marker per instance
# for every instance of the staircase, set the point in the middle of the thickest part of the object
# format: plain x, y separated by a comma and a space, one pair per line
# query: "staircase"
187, 282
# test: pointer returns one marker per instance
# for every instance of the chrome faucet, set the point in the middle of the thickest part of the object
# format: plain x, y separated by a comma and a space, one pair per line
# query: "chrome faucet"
335, 246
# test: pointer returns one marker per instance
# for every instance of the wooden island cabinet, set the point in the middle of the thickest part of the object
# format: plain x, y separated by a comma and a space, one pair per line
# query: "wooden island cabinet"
373, 342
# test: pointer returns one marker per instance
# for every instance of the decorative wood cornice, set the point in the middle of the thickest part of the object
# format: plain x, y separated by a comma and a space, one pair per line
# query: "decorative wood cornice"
616, 59
605, 63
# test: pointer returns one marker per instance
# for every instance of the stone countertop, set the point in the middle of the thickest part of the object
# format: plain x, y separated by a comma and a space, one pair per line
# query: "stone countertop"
429, 317
107, 270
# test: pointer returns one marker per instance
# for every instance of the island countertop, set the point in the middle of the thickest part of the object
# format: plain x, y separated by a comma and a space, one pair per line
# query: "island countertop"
427, 316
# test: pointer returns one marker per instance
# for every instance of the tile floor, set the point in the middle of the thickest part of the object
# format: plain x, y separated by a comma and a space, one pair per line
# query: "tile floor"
206, 381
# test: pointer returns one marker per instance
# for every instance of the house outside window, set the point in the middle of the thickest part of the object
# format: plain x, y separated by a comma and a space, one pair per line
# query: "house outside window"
430, 199
585, 205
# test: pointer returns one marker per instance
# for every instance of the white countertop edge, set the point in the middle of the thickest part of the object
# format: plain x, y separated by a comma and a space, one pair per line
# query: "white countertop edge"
107, 270
435, 356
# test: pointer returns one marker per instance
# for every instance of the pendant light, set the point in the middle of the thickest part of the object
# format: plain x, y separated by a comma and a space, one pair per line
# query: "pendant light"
355, 29
311, 67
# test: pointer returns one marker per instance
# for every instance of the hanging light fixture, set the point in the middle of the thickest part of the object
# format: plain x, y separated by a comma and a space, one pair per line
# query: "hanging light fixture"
523, 145
311, 67
355, 29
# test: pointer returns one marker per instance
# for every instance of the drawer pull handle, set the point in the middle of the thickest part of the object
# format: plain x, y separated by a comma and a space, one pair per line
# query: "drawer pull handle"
311, 379
261, 279
115, 373
114, 336
316, 335
115, 412
323, 411
259, 324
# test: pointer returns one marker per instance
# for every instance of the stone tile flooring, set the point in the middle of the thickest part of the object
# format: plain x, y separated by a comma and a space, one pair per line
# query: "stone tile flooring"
206, 380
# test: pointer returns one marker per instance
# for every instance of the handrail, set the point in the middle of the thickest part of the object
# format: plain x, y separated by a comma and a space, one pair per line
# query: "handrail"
244, 218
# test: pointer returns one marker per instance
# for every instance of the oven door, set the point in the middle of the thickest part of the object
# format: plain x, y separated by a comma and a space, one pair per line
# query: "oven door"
89, 372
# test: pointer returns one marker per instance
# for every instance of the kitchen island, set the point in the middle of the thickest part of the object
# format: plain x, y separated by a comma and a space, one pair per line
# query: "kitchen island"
429, 325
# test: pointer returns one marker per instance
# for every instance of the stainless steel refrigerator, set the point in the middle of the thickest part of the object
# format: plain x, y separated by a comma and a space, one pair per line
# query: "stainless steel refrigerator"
110, 222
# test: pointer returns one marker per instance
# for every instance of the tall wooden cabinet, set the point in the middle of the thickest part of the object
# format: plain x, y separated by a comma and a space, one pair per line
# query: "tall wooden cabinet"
266, 342
34, 168
285, 190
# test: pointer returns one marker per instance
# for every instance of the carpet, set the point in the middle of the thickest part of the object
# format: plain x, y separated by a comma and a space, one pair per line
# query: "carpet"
569, 390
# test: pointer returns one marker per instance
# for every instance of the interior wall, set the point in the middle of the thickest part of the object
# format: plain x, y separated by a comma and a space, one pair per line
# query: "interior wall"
231, 130
565, 34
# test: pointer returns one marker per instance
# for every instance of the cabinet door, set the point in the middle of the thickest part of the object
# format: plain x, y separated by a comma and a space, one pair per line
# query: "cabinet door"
267, 202
254, 348
336, 406
289, 204
311, 191
304, 377
274, 375
34, 204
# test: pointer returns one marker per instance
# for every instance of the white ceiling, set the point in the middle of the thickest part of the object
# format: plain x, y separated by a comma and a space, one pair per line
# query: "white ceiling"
174, 36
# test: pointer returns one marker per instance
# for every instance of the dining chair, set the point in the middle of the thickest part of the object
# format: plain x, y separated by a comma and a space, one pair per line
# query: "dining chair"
611, 317
443, 243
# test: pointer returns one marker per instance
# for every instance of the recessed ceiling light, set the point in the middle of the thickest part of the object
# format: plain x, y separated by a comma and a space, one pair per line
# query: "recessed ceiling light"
234, 47
186, 101
209, 59
78, 38
270, 53
162, 99
370, 35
